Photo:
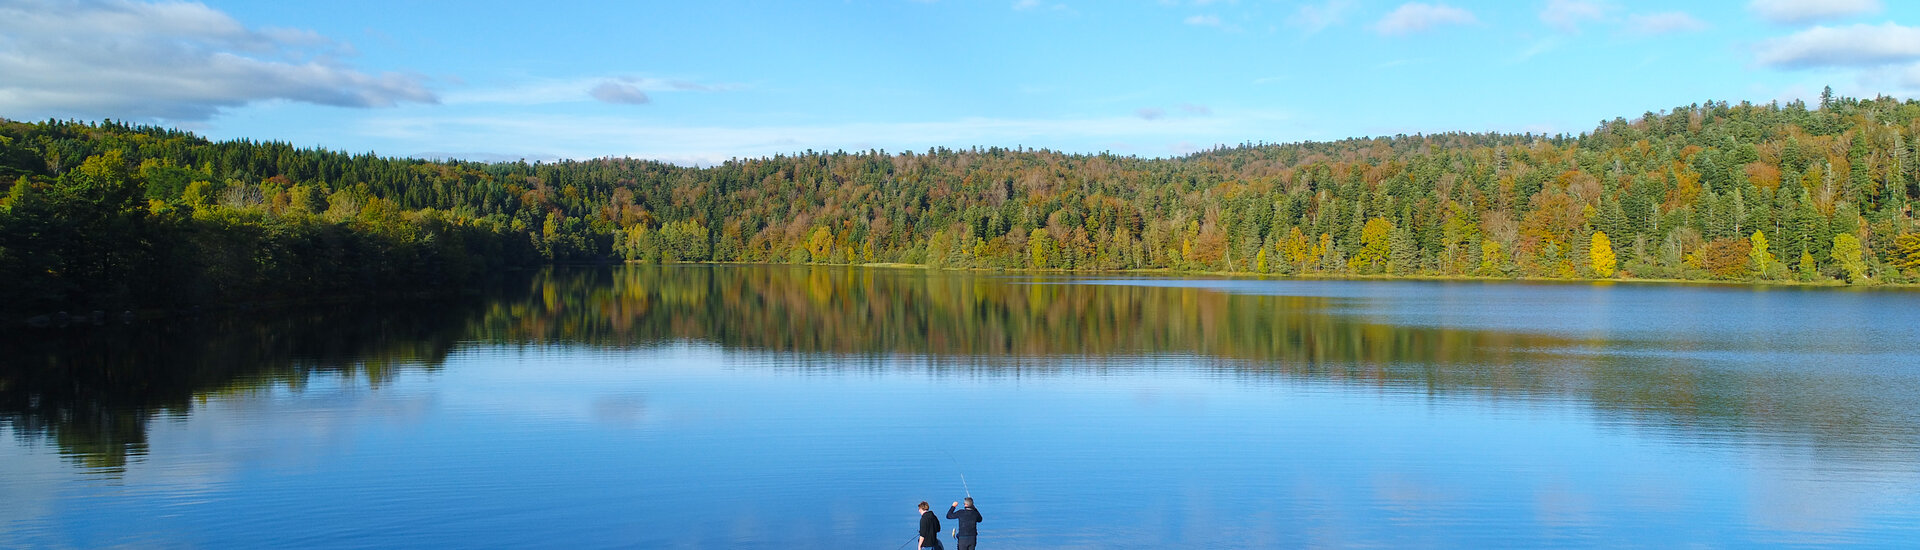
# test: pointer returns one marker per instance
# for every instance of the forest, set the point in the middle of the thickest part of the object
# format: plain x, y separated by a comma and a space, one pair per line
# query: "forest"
115, 215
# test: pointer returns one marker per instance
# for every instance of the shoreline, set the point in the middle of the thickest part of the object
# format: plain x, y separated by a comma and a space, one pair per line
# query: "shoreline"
1171, 272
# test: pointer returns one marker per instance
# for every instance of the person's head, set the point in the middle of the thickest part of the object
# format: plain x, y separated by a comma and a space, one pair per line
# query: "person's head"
924, 507
969, 501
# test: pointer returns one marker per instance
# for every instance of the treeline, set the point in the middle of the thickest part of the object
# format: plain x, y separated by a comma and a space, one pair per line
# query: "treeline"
1772, 192
126, 228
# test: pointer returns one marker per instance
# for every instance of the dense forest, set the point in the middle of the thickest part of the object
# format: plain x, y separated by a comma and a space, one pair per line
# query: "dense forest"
115, 215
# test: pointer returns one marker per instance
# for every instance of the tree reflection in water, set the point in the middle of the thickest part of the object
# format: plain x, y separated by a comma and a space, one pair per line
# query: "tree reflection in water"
93, 393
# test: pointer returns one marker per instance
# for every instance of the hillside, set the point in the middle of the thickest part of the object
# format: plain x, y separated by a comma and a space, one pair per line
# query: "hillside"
111, 215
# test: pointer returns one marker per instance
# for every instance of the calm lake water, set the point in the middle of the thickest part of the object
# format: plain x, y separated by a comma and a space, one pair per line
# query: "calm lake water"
795, 407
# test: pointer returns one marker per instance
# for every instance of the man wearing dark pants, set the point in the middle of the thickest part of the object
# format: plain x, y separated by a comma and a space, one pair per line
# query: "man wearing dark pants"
965, 535
929, 528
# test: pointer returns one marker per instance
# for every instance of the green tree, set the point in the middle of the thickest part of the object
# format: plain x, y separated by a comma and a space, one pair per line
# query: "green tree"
820, 244
1404, 252
1038, 247
1375, 246
1847, 253
1493, 259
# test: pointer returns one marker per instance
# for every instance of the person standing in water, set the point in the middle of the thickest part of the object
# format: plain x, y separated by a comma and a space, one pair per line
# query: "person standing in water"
965, 534
929, 528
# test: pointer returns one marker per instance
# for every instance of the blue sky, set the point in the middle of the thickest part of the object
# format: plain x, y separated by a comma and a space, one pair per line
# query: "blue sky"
700, 82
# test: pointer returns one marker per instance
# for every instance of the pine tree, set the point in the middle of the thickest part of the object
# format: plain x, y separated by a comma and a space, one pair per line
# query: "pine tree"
1404, 253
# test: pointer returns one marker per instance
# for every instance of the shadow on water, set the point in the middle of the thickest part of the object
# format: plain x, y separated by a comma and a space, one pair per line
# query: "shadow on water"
93, 394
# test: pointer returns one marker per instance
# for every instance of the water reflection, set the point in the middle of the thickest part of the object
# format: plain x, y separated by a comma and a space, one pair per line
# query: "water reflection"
988, 322
93, 394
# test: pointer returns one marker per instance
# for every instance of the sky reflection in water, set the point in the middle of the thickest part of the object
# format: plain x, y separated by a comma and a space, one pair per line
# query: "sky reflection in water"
811, 407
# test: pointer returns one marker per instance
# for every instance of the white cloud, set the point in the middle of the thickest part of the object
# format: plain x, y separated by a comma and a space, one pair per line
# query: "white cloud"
1150, 113
1415, 17
1196, 110
1859, 45
1663, 23
1312, 18
1204, 20
1808, 11
172, 61
550, 91
614, 91
1567, 15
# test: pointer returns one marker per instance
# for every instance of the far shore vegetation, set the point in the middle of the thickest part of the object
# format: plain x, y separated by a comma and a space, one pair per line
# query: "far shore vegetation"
115, 216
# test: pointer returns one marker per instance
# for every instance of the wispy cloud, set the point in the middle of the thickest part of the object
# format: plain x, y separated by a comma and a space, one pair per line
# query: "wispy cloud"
1036, 5
602, 88
1538, 47
1416, 17
1203, 20
1663, 23
1792, 12
1313, 18
173, 61
1150, 113
1859, 45
584, 136
1568, 15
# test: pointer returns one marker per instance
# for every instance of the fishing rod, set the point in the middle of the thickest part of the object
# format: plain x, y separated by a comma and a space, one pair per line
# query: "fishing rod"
963, 485
963, 475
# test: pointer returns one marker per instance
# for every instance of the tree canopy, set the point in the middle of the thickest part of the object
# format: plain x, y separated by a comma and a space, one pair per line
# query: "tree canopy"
102, 213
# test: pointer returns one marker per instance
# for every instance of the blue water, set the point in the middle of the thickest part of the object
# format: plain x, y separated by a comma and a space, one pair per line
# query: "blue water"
733, 407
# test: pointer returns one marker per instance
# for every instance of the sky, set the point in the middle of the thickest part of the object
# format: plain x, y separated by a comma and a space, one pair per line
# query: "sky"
697, 83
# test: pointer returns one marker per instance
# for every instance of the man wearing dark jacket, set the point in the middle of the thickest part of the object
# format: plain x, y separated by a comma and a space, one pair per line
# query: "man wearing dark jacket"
929, 528
965, 535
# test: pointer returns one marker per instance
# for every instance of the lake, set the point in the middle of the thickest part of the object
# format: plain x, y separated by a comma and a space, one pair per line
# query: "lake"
813, 407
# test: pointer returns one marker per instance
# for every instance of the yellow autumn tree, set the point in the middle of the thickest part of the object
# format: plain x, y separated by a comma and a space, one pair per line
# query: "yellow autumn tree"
820, 243
1296, 248
1763, 260
1906, 251
1601, 251
1375, 243
1491, 258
